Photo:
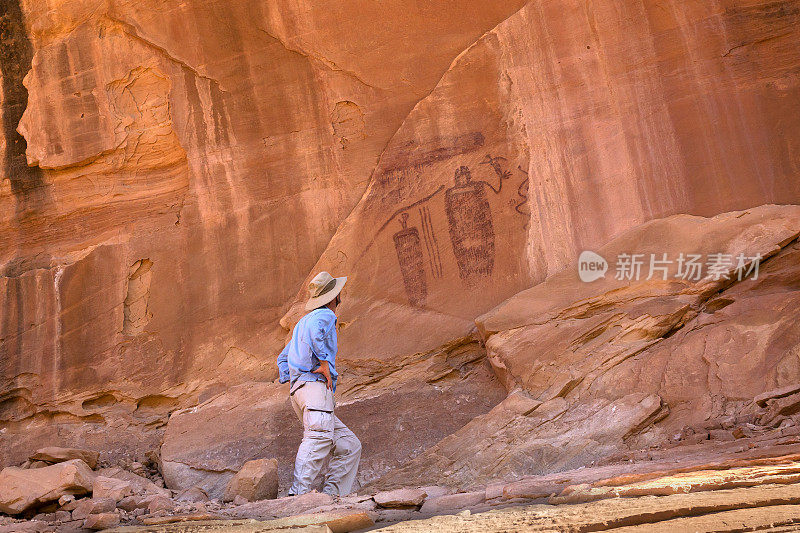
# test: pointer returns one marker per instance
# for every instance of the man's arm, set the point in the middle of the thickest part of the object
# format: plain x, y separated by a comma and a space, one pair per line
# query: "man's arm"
283, 365
325, 370
323, 345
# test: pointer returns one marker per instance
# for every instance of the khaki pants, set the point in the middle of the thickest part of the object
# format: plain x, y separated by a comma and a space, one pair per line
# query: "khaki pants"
323, 434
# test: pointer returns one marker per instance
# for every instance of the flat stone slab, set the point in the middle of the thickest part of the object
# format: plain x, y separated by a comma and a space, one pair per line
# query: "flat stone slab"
56, 454
227, 526
331, 522
400, 498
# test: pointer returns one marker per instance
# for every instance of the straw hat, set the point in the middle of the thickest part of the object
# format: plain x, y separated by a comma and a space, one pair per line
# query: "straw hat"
323, 289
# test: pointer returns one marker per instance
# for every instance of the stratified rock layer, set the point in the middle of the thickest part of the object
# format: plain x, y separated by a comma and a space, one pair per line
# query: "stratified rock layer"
601, 369
173, 172
189, 162
559, 129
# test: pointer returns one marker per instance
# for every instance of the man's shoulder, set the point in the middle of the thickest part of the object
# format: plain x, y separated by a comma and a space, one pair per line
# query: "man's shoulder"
322, 316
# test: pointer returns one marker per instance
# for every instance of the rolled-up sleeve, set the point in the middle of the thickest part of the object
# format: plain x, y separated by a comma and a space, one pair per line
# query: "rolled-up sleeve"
323, 338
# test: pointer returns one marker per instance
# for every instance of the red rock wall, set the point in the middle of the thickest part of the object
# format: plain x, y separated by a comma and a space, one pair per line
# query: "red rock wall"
238, 147
593, 118
219, 142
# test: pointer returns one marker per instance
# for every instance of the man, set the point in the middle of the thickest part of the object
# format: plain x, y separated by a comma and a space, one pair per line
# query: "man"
309, 363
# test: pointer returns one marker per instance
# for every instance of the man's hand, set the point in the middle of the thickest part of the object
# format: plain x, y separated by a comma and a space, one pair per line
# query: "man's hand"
326, 372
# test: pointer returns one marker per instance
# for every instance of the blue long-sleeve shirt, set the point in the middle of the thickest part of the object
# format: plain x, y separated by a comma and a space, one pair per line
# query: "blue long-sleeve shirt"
313, 340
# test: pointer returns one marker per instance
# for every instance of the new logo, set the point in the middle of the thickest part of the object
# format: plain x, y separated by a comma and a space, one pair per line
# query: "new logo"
591, 266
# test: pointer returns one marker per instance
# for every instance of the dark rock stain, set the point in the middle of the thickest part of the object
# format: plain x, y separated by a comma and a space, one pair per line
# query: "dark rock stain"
16, 54
221, 123
195, 108
410, 154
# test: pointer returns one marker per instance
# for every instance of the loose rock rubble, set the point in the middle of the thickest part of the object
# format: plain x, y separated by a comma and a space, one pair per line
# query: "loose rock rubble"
739, 491
614, 417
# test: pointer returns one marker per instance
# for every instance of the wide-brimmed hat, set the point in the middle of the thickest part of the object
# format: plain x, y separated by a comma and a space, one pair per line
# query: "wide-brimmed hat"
323, 289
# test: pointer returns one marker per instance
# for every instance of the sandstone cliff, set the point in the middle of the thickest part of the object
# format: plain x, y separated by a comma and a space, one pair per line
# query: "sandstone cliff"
174, 171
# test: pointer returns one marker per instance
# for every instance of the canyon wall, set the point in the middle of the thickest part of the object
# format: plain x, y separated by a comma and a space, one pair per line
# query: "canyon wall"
174, 172
565, 125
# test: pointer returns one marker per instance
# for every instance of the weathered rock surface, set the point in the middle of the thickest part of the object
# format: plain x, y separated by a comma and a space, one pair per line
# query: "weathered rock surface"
290, 505
741, 491
192, 494
137, 483
162, 201
562, 127
724, 510
206, 445
256, 480
23, 489
158, 503
336, 521
145, 256
449, 502
617, 365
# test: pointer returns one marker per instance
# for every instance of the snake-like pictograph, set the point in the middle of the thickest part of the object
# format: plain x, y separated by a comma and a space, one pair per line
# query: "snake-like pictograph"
522, 192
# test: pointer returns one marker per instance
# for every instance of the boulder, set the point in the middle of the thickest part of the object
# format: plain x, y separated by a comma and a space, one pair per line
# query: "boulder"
65, 500
192, 495
400, 498
55, 454
101, 521
90, 506
780, 392
199, 452
158, 502
256, 480
23, 489
133, 502
138, 484
137, 468
107, 487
